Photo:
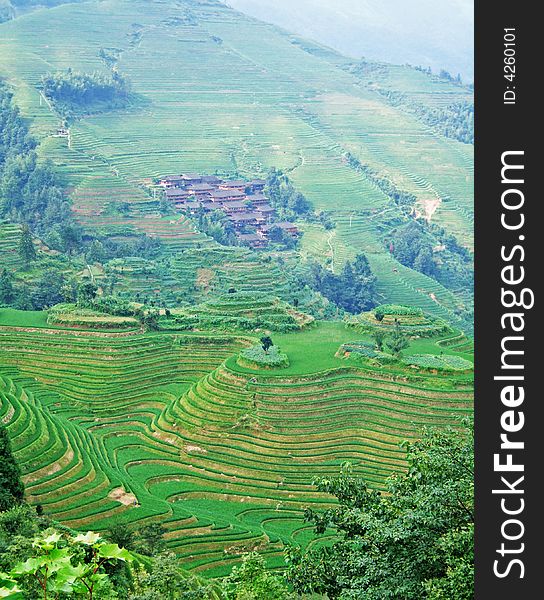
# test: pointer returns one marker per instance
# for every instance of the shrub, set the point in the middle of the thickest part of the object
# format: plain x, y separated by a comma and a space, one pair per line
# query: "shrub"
256, 356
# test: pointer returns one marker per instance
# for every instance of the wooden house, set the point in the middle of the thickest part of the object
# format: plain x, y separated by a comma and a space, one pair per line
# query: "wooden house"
191, 178
289, 228
252, 239
256, 199
176, 194
238, 185
171, 181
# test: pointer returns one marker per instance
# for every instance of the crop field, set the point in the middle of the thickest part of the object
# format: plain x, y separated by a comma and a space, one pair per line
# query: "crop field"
218, 91
135, 428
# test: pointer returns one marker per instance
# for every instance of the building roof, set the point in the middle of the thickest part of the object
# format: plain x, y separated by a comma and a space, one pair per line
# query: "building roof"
223, 194
281, 225
235, 184
201, 187
172, 178
265, 208
257, 182
211, 179
250, 237
257, 198
191, 176
244, 217
235, 204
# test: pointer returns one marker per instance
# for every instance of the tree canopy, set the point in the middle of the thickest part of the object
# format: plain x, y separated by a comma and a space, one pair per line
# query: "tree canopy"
413, 542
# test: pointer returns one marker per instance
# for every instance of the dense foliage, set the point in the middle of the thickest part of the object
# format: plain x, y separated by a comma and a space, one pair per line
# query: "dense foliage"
11, 487
413, 543
258, 356
353, 290
73, 92
288, 202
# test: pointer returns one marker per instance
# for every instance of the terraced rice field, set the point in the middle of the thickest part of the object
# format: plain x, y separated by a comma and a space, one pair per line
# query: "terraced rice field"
135, 428
220, 91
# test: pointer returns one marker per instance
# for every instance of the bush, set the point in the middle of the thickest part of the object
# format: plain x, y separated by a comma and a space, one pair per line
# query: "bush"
256, 356
442, 363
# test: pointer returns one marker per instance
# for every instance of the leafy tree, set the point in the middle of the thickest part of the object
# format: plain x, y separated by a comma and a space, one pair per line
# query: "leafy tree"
266, 343
12, 488
27, 252
122, 535
397, 341
66, 565
49, 290
414, 542
7, 292
252, 581
150, 540
379, 337
86, 293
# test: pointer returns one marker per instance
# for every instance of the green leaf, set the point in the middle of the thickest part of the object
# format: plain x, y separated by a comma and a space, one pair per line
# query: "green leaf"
113, 551
89, 539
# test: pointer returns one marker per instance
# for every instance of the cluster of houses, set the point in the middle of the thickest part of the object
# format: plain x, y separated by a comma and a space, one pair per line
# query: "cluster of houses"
244, 203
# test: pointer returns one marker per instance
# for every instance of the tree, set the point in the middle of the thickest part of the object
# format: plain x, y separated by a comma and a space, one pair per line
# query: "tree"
266, 343
397, 341
48, 290
27, 252
12, 488
379, 337
414, 542
86, 293
7, 293
151, 540
252, 581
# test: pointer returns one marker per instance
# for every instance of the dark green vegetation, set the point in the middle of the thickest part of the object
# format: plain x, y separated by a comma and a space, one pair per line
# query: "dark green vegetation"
169, 388
74, 94
414, 542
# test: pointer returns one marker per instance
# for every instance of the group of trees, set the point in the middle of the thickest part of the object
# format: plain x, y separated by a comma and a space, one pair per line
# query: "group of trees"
353, 290
413, 542
31, 192
72, 91
288, 202
430, 250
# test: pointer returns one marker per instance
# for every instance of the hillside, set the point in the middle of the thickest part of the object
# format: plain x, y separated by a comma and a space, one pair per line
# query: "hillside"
435, 34
222, 92
124, 392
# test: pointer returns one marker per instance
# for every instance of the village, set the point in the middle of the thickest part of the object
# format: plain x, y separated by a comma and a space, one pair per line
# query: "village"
244, 203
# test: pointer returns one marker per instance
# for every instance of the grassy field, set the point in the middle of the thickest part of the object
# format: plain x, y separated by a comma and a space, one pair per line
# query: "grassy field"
135, 428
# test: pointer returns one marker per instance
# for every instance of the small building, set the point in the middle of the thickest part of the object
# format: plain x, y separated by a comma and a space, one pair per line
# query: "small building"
192, 207
212, 179
175, 194
171, 181
200, 189
235, 206
243, 219
238, 185
191, 178
258, 199
256, 185
252, 239
289, 228
227, 195
266, 211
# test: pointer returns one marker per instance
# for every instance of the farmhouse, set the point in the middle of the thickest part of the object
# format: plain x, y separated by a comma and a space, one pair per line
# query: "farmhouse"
238, 185
256, 185
176, 194
289, 228
200, 189
171, 181
191, 178
257, 199
226, 196
252, 239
